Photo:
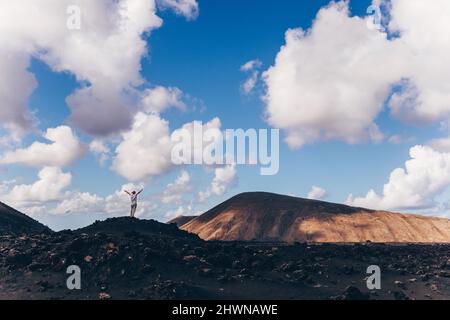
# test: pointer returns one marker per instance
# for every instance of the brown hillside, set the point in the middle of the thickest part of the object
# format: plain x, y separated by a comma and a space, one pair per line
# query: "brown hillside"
270, 217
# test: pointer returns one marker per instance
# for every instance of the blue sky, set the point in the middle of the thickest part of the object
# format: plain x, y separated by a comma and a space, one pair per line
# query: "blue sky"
201, 55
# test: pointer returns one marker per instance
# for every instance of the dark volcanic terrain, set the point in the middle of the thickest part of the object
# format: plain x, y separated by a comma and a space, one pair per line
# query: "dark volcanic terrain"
126, 258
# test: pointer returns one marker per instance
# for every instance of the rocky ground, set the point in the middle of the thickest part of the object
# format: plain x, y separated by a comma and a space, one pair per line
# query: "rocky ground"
126, 258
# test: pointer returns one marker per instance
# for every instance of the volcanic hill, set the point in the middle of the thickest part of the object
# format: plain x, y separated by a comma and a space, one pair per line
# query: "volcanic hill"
15, 222
260, 216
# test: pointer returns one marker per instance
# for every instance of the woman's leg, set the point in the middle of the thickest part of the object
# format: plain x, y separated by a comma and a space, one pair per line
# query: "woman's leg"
133, 210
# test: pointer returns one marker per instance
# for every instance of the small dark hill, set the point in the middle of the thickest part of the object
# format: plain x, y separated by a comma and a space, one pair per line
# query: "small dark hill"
15, 223
127, 225
181, 220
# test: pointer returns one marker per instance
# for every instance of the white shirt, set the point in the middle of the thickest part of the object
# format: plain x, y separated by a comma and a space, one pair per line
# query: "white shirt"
134, 198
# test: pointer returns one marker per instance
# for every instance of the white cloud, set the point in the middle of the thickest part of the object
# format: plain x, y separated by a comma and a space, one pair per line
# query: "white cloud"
52, 181
100, 149
186, 8
224, 178
175, 190
10, 140
424, 29
193, 138
6, 185
69, 206
180, 211
158, 99
175, 213
251, 65
425, 176
441, 144
105, 56
395, 139
80, 202
249, 84
145, 150
63, 150
117, 203
100, 111
330, 82
98, 53
16, 86
317, 193
98, 146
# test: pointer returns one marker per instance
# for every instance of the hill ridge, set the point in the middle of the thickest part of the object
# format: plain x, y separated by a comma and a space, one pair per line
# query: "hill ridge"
13, 221
263, 216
